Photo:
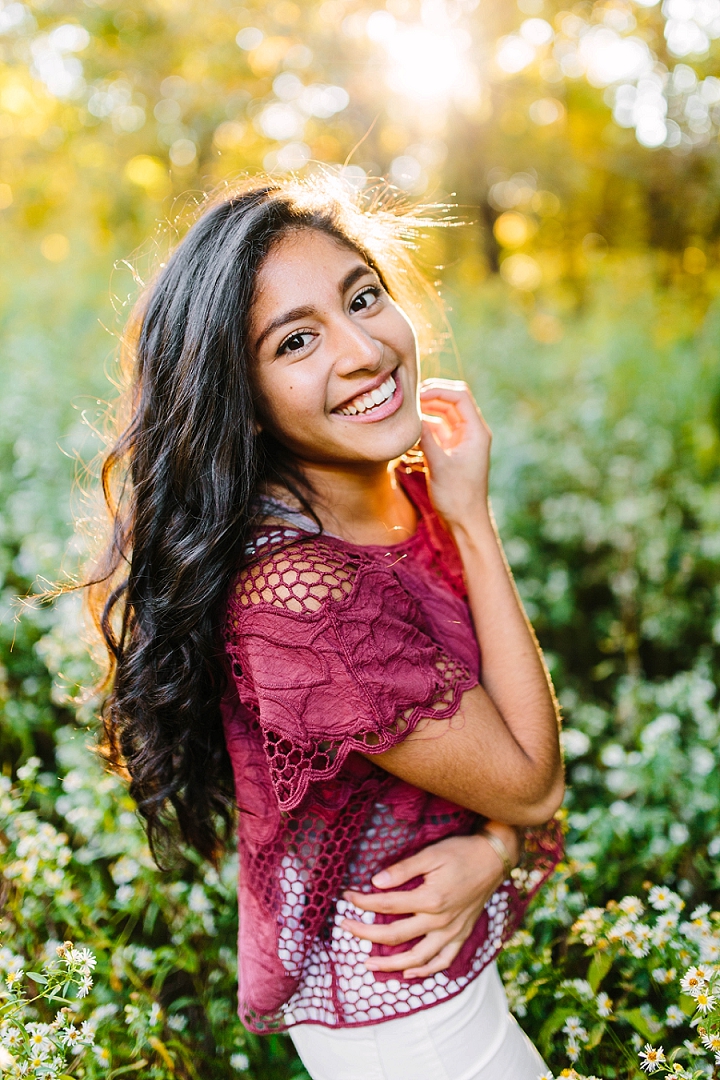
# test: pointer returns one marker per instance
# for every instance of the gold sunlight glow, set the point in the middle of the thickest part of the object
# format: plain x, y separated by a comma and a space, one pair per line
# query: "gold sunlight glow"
428, 60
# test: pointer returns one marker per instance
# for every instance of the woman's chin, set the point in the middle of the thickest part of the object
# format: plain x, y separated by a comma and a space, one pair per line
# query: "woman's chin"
385, 439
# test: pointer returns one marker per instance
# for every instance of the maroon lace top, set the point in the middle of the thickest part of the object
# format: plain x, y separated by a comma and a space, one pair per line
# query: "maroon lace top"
337, 648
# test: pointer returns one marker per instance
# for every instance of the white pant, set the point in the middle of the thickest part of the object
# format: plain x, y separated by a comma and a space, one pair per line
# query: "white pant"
472, 1036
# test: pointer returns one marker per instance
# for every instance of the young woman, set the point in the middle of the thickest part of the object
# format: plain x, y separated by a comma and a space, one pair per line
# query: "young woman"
289, 595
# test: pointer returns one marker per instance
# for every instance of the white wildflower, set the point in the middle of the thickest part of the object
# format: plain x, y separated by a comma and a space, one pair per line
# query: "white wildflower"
692, 981
651, 1058
588, 925
124, 894
711, 1042
87, 1033
102, 1055
663, 975
674, 1017
704, 1001
710, 949
632, 906
198, 901
581, 987
574, 1029
125, 870
572, 1049
604, 1004
11, 1037
84, 959
70, 1036
660, 897
143, 958
240, 1061
103, 1012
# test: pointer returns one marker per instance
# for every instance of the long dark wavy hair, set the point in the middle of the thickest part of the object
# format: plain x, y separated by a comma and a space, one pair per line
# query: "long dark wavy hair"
181, 480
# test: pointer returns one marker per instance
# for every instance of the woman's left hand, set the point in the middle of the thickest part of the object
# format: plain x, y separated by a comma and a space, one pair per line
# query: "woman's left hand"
460, 875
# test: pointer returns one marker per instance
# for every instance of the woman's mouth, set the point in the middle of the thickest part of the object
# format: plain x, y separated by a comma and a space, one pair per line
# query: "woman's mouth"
376, 404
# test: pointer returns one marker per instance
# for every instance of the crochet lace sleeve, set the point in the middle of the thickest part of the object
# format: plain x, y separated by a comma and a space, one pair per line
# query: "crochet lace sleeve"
332, 654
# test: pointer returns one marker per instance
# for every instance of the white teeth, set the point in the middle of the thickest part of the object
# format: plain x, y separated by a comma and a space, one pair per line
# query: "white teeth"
372, 399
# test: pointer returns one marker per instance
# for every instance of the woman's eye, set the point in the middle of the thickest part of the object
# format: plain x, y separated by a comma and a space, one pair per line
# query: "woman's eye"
365, 299
296, 342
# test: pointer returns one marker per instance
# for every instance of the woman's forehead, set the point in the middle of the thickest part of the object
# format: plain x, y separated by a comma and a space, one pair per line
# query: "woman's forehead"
303, 265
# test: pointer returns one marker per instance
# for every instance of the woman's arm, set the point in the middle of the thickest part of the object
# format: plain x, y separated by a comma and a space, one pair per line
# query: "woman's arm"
499, 755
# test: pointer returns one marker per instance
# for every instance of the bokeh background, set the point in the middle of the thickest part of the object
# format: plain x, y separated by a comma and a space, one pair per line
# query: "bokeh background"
580, 148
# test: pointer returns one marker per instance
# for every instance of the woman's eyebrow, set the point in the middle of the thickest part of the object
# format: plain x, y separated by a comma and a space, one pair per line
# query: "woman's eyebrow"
307, 310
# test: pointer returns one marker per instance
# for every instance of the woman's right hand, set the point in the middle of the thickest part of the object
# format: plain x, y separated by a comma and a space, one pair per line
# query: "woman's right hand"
460, 875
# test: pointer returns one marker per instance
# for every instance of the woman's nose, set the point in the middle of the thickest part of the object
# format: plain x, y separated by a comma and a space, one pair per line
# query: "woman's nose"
356, 349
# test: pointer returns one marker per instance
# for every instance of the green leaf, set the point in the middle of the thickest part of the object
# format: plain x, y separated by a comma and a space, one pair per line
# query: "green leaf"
37, 977
595, 1035
599, 967
128, 1068
642, 1024
687, 1004
554, 1022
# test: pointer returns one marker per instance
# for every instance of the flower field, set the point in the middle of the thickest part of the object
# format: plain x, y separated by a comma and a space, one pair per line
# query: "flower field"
580, 147
605, 490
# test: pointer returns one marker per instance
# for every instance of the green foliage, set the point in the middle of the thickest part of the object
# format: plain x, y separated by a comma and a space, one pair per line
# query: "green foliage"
605, 488
657, 1008
75, 865
594, 356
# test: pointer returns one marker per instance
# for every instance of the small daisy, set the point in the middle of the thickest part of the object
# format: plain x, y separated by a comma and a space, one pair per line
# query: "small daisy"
651, 1058
632, 906
604, 1004
39, 1042
87, 1033
85, 960
11, 1038
660, 898
70, 1036
711, 1042
674, 1017
691, 981
572, 1050
573, 1027
102, 1055
704, 1001
663, 975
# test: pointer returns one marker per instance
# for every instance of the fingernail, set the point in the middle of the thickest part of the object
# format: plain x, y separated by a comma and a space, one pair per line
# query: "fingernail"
382, 880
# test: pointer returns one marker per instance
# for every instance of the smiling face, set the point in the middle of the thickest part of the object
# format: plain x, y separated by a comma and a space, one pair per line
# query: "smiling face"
336, 365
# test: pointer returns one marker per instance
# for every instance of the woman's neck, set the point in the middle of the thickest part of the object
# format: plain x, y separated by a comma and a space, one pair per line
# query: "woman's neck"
365, 506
